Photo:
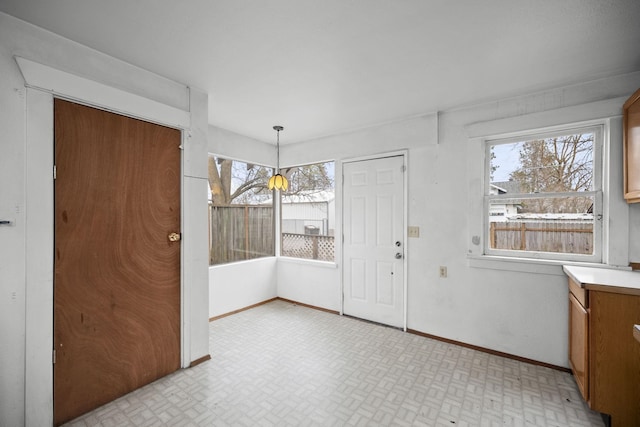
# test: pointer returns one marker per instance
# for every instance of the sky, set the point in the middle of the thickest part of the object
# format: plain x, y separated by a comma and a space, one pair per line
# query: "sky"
507, 159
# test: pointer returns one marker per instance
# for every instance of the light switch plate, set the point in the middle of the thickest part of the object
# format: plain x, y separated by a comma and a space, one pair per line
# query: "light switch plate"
413, 231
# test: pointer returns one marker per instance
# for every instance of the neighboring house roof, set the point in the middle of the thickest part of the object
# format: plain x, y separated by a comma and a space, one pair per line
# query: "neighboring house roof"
507, 186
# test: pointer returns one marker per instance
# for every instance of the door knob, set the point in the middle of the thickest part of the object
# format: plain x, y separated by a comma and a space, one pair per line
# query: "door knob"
398, 255
174, 237
398, 243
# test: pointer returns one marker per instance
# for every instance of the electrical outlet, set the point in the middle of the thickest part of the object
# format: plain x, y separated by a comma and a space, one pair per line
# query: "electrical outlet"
413, 231
443, 271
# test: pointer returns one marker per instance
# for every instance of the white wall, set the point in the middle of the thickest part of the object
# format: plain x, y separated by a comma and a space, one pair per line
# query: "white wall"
26, 198
310, 282
12, 239
241, 284
515, 308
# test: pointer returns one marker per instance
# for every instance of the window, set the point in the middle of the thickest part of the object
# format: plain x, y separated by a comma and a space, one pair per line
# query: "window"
543, 195
241, 221
308, 212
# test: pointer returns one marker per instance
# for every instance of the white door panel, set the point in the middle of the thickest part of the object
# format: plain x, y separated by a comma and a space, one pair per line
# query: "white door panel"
357, 283
373, 201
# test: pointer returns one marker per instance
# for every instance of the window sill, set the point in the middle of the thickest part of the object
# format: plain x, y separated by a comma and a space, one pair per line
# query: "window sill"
528, 265
247, 261
311, 262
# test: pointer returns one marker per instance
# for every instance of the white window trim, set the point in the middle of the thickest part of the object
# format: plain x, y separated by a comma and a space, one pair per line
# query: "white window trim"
275, 205
597, 129
615, 209
278, 227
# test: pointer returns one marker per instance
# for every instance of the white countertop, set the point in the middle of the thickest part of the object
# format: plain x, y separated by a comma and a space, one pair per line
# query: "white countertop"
605, 279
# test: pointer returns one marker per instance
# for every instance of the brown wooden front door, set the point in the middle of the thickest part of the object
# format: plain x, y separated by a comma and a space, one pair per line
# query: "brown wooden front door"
117, 274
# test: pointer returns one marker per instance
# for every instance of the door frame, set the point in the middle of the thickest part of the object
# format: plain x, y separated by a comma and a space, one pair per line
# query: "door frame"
43, 84
405, 158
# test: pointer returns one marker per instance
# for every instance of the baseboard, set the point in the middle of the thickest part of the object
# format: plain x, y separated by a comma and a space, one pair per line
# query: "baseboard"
490, 351
211, 319
326, 310
200, 360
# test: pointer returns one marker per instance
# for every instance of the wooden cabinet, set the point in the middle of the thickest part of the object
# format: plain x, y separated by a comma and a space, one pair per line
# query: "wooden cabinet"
604, 356
578, 338
631, 138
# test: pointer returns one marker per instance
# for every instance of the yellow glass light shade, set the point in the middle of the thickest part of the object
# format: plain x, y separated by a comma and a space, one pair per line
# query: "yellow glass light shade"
279, 182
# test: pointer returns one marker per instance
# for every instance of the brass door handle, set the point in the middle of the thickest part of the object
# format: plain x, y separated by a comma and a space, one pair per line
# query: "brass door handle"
174, 237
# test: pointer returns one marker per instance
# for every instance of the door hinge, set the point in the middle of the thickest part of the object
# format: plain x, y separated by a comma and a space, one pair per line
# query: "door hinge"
53, 356
55, 172
404, 168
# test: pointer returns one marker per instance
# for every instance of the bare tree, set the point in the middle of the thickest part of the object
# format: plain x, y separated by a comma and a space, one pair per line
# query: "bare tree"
231, 182
555, 165
494, 166
308, 179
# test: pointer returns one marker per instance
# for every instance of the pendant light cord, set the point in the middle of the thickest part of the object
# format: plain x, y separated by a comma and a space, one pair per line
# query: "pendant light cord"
278, 152
278, 129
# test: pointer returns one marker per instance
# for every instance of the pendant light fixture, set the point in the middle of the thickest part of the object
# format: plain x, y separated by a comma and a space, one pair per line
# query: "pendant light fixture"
278, 181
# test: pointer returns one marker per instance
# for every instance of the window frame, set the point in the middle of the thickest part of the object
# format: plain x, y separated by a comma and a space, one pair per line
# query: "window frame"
274, 219
598, 129
280, 196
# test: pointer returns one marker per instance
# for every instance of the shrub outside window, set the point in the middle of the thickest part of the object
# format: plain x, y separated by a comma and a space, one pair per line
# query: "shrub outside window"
241, 221
543, 195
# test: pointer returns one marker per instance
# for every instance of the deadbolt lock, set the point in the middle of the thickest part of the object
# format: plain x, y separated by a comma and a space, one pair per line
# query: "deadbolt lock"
174, 237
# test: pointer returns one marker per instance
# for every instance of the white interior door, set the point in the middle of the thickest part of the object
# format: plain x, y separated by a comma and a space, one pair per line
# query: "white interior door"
373, 203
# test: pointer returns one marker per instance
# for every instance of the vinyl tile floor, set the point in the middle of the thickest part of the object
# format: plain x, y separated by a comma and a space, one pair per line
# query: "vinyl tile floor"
280, 364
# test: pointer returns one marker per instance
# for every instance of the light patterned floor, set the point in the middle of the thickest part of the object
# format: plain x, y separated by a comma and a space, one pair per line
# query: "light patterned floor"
284, 365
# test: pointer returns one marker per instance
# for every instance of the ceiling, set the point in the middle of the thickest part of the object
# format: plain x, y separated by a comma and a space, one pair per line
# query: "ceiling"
321, 67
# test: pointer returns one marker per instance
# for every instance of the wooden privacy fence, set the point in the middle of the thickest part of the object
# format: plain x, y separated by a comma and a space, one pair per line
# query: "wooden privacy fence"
543, 236
240, 232
309, 246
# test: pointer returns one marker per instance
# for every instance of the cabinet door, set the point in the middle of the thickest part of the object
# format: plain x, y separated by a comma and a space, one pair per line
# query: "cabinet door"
614, 381
578, 341
631, 136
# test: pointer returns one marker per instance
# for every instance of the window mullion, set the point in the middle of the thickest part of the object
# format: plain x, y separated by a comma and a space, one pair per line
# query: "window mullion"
541, 195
